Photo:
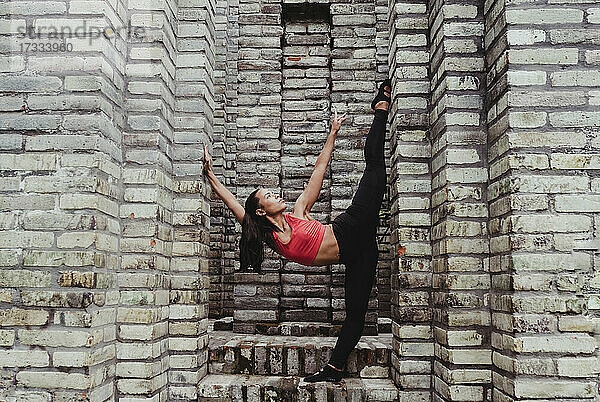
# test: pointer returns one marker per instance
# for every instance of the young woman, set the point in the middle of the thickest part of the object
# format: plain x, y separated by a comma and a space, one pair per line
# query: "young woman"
350, 239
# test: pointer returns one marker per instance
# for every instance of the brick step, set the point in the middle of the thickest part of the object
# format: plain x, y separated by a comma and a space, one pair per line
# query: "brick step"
296, 356
309, 329
240, 387
295, 328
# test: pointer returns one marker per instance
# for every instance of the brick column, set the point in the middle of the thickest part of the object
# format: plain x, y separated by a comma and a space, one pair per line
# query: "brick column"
410, 192
193, 123
543, 80
223, 223
219, 211
60, 122
147, 210
497, 122
459, 211
258, 120
233, 228
306, 291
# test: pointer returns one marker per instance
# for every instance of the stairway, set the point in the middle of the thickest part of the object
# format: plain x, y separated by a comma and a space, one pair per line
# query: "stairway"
232, 387
244, 367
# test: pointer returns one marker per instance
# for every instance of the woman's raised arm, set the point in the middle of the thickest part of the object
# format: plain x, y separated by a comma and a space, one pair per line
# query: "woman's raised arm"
311, 193
222, 191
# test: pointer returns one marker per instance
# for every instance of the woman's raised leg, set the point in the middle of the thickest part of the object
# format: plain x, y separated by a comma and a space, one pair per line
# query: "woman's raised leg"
368, 198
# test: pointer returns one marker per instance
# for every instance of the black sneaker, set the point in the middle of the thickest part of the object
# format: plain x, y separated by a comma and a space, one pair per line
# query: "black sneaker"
381, 94
325, 374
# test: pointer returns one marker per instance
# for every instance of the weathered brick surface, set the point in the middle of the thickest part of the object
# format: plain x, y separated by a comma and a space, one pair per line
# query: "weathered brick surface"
104, 211
459, 212
224, 228
193, 119
410, 185
295, 65
109, 236
141, 316
258, 122
541, 157
224, 388
291, 355
61, 224
305, 292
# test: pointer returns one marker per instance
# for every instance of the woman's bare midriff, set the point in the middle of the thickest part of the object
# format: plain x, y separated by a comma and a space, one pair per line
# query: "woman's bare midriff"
329, 252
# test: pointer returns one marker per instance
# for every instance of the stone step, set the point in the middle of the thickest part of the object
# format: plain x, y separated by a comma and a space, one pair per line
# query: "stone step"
251, 388
296, 356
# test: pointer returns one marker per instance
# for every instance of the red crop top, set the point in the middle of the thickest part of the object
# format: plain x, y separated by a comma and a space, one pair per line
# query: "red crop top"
305, 240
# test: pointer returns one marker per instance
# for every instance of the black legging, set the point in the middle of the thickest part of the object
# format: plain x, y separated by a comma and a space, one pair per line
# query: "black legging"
356, 230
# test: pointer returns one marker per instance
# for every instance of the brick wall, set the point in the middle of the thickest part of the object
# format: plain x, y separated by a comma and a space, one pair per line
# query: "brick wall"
258, 122
512, 317
62, 160
296, 63
305, 291
104, 212
223, 224
105, 235
543, 120
459, 214
410, 183
147, 209
194, 55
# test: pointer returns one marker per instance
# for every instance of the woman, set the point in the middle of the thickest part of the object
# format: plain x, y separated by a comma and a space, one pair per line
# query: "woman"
350, 239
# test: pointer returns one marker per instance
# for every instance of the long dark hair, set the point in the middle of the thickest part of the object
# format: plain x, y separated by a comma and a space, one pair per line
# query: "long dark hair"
256, 230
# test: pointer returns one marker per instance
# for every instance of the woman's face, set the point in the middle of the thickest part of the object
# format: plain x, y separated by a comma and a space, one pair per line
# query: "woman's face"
270, 202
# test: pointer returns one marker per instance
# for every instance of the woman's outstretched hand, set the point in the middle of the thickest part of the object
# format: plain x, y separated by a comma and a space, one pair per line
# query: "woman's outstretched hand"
337, 121
207, 161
